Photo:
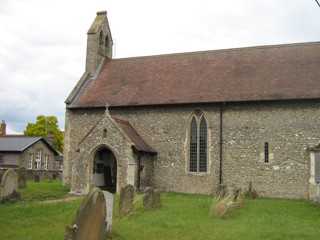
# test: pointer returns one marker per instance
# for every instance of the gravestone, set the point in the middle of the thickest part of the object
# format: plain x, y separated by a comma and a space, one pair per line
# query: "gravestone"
90, 220
156, 198
37, 178
109, 206
236, 194
151, 198
9, 183
148, 197
22, 172
126, 199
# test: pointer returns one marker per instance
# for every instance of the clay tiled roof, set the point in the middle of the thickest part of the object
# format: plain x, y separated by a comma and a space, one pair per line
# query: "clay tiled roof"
139, 144
280, 72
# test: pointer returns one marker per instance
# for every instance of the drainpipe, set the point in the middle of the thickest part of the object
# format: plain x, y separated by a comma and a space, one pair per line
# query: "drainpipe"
138, 170
221, 142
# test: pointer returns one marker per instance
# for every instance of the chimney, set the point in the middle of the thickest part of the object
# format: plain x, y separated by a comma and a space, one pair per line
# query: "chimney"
3, 128
51, 138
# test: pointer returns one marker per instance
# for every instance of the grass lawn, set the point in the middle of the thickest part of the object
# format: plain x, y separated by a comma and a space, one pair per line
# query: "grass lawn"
181, 216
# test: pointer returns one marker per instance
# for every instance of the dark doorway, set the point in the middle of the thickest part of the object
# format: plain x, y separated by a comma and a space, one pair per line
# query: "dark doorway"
104, 172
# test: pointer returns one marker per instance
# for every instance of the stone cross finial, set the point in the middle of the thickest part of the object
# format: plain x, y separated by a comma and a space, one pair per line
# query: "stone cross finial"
107, 108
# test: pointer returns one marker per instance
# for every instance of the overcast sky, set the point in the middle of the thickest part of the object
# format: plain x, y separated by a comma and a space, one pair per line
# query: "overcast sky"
43, 42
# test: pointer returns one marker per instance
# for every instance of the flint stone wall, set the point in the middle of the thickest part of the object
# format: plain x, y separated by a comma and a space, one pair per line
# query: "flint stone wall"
288, 127
44, 174
86, 137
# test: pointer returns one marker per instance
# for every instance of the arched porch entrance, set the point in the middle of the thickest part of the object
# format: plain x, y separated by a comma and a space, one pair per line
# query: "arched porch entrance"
104, 171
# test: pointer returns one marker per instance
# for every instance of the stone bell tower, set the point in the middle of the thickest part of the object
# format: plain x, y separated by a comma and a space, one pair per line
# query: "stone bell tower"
99, 43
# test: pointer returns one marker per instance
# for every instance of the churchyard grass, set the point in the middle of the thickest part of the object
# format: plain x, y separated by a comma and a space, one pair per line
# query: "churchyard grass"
184, 216
44, 190
31, 219
181, 216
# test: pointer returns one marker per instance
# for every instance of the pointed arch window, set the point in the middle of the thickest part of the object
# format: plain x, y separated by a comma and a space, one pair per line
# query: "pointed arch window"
107, 42
198, 143
101, 43
101, 38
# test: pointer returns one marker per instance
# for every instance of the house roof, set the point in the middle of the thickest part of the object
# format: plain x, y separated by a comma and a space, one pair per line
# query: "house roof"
139, 144
279, 72
21, 143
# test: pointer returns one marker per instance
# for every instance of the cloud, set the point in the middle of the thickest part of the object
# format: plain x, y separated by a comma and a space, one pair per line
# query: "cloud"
43, 42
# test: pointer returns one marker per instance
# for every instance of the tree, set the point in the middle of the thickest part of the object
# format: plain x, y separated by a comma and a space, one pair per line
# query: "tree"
44, 126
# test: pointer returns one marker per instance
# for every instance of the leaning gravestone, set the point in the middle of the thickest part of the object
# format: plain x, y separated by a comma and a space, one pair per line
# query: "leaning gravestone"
90, 220
156, 198
37, 178
22, 172
126, 199
148, 197
9, 183
109, 206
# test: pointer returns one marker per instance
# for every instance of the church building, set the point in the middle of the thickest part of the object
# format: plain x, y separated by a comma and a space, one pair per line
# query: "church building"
193, 122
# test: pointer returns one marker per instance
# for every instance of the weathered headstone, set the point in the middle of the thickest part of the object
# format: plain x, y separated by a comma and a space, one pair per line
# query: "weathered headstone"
156, 198
109, 206
126, 199
148, 197
90, 220
22, 172
236, 194
9, 183
37, 178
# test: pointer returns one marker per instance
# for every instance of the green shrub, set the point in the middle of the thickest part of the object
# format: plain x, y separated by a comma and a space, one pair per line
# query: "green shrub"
222, 205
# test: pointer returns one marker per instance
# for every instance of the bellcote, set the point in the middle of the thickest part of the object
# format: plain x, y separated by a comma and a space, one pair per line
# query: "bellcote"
99, 43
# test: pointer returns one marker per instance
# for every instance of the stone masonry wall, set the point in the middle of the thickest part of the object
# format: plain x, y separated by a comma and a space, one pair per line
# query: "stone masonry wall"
22, 159
165, 129
11, 158
146, 171
288, 127
78, 124
88, 142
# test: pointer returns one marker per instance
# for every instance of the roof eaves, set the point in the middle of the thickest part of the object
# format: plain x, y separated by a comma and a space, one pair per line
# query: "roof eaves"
152, 152
31, 143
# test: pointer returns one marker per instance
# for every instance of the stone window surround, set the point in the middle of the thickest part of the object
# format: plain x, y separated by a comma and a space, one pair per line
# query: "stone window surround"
313, 162
104, 42
263, 149
30, 162
198, 173
45, 162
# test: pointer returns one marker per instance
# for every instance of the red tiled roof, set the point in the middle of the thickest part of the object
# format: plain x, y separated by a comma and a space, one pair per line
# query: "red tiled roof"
280, 72
139, 144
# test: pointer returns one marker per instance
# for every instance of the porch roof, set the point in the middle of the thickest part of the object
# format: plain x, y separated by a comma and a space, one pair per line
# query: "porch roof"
139, 144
